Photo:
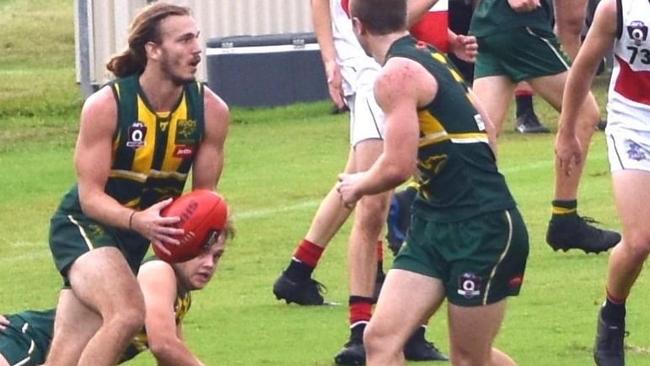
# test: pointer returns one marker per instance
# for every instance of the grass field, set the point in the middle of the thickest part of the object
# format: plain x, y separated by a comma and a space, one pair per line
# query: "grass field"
280, 162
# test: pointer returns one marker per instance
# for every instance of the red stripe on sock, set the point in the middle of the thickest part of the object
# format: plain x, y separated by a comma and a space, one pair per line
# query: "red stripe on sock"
523, 93
308, 253
360, 311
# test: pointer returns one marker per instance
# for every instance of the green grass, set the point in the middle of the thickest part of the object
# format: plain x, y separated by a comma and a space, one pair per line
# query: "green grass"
280, 162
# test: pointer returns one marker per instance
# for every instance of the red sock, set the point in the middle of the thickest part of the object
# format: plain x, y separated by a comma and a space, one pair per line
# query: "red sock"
523, 93
380, 251
360, 309
308, 253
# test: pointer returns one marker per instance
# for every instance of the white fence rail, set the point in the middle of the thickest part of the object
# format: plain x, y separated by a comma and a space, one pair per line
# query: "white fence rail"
104, 31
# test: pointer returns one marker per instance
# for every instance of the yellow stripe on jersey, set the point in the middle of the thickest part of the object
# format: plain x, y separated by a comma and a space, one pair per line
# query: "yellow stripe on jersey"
144, 155
429, 124
468, 138
171, 162
433, 138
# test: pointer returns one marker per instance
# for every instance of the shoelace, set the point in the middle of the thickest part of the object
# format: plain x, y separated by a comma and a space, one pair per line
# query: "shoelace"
322, 289
589, 220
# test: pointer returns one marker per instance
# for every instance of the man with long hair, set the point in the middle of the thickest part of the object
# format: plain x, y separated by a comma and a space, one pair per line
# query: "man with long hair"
138, 138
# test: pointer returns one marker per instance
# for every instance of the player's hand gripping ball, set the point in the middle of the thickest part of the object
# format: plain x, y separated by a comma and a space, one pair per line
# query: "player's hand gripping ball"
203, 214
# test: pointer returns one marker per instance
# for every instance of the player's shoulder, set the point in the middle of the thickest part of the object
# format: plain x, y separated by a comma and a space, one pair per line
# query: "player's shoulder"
101, 104
399, 76
213, 102
157, 269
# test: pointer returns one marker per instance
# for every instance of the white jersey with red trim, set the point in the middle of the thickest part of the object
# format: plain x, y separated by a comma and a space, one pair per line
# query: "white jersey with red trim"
356, 66
629, 88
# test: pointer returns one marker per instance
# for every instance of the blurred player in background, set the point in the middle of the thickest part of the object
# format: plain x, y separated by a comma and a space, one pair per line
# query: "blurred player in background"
623, 24
138, 138
25, 337
517, 43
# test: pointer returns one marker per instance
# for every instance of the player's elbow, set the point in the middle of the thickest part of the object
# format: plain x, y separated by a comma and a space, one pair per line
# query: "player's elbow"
399, 173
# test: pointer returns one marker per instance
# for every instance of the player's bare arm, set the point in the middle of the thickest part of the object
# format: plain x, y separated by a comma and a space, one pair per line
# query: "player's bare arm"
415, 9
599, 41
401, 87
322, 20
208, 163
159, 286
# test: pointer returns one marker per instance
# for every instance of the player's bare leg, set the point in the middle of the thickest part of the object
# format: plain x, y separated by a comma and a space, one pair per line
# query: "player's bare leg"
494, 93
567, 230
569, 20
295, 283
472, 331
406, 301
117, 299
625, 262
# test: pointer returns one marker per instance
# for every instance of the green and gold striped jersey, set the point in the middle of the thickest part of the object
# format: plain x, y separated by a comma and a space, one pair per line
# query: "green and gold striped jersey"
457, 170
152, 152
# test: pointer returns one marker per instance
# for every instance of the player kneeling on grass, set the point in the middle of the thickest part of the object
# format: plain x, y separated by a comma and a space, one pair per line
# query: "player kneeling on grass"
25, 337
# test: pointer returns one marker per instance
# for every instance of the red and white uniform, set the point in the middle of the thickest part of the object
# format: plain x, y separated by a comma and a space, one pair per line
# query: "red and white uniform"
628, 107
629, 88
350, 56
433, 26
359, 72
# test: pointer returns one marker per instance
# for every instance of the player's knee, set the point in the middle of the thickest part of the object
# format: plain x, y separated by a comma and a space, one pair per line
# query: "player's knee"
128, 320
464, 357
638, 244
378, 343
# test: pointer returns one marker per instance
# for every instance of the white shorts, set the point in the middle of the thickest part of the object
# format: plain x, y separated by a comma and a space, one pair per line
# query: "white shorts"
366, 118
628, 149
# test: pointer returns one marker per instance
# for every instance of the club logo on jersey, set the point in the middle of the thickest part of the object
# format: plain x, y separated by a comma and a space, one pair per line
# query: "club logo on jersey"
137, 133
469, 285
635, 151
183, 151
185, 131
638, 32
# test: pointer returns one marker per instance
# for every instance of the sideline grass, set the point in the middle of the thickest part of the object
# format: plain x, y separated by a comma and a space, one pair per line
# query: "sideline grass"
280, 163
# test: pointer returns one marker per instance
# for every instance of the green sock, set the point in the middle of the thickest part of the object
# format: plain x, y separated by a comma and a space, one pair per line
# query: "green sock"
563, 209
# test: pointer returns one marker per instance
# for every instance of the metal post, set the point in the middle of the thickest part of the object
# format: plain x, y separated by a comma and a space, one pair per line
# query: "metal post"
84, 21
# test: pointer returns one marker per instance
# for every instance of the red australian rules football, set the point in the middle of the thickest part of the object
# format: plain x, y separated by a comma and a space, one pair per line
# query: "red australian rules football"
203, 216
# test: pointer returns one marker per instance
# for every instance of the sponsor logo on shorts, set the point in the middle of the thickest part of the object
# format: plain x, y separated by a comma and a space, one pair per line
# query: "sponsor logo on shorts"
137, 133
516, 281
635, 151
469, 285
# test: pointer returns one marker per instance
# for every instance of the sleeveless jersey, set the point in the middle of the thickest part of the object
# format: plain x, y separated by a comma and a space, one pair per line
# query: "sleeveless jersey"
629, 87
433, 26
496, 16
152, 153
350, 56
457, 170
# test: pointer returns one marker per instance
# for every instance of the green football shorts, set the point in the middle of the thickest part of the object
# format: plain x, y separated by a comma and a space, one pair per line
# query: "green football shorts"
72, 235
520, 54
27, 339
480, 260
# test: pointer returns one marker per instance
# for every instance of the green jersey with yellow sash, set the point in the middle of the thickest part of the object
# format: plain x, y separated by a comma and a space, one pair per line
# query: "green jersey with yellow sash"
152, 153
458, 176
